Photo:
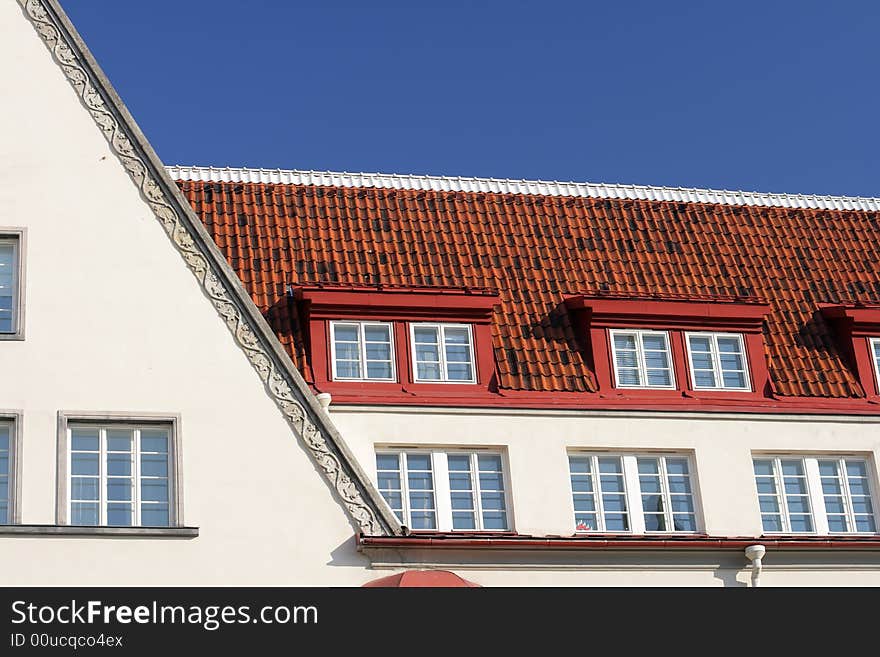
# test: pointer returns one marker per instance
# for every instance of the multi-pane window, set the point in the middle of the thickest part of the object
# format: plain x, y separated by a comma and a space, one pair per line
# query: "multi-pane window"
119, 475
362, 351
642, 359
814, 494
875, 353
453, 490
632, 493
443, 353
5, 472
8, 285
717, 361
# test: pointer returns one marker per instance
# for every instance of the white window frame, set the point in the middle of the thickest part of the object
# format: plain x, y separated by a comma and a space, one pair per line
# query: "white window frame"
362, 350
874, 348
632, 491
442, 492
112, 420
716, 360
818, 513
640, 355
16, 237
444, 376
12, 420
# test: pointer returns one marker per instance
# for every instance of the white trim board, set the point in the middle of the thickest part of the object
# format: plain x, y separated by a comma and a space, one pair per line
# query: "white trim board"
509, 186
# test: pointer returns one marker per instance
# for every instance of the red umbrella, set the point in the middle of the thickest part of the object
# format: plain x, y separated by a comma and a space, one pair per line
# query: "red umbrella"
422, 579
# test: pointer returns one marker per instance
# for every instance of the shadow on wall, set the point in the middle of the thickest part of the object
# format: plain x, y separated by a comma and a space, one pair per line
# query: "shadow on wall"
728, 577
345, 555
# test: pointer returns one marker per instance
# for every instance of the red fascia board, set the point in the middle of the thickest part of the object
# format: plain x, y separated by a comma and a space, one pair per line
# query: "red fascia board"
409, 395
399, 303
603, 542
865, 319
605, 312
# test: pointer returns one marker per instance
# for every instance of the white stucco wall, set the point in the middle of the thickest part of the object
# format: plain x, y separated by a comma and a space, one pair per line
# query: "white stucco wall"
536, 445
116, 322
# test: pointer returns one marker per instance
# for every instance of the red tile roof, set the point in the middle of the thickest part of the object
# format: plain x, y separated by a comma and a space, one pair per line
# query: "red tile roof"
537, 249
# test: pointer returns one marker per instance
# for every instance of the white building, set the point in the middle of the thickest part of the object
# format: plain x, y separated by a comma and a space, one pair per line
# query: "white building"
530, 382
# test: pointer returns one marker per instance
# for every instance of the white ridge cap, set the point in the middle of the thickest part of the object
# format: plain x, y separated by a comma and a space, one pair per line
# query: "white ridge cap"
505, 186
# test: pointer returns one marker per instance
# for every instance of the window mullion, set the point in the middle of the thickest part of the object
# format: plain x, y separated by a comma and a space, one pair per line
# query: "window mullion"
665, 497
136, 480
362, 340
102, 476
817, 500
847, 500
716, 362
633, 494
780, 494
441, 341
404, 488
442, 493
597, 494
640, 354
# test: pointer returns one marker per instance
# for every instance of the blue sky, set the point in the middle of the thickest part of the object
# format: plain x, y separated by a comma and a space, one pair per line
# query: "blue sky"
769, 96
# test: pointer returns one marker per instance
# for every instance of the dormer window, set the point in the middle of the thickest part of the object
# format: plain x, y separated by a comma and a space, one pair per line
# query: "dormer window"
717, 361
375, 343
443, 353
656, 347
642, 359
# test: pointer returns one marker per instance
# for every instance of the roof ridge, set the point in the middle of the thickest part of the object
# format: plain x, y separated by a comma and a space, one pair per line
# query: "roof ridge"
513, 186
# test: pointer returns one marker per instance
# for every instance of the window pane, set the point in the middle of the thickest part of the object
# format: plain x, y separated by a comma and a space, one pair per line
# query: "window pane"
376, 333
84, 464
119, 515
119, 440
654, 341
347, 351
489, 462
379, 371
627, 342
153, 490
659, 377
348, 369
459, 372
734, 380
418, 461
628, 377
345, 333
154, 465
387, 461
425, 335
458, 354
463, 520
118, 465
84, 488
656, 360
154, 440
700, 343
428, 372
83, 514
155, 515
82, 440
728, 346
627, 359
456, 335
459, 462
378, 351
119, 489
7, 279
701, 361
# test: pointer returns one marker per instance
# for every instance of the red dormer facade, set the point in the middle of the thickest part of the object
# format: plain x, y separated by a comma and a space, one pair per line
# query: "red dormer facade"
397, 313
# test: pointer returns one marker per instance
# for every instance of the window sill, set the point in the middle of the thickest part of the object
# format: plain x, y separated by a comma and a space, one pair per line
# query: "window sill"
71, 530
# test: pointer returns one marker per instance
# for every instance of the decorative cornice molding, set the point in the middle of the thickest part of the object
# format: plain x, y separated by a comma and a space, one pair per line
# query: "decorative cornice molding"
530, 187
218, 282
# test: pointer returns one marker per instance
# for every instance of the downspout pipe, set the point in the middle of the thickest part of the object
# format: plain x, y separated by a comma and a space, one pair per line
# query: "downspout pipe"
755, 553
